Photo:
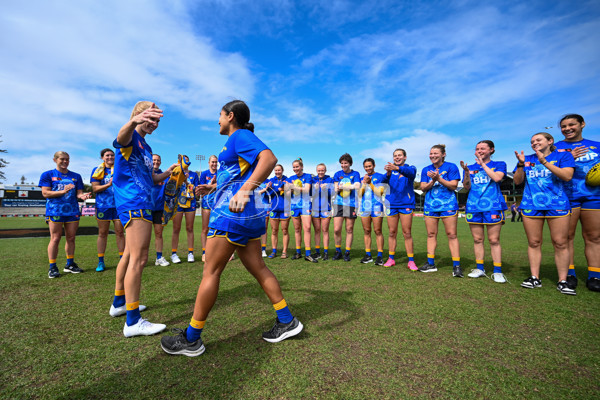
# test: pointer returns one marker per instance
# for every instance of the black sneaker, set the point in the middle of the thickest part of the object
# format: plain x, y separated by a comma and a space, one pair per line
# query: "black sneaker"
53, 273
296, 256
310, 258
179, 345
379, 261
593, 284
346, 256
531, 283
325, 257
428, 268
73, 268
564, 288
337, 256
281, 331
316, 256
572, 281
366, 260
457, 272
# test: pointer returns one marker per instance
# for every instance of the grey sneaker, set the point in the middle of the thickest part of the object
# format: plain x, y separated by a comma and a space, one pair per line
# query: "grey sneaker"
179, 345
457, 272
428, 268
73, 268
281, 331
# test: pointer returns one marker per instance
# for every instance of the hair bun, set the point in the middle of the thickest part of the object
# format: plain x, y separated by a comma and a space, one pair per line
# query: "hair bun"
249, 126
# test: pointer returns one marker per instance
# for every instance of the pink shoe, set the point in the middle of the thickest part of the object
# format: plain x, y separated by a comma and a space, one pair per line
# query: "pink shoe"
412, 266
389, 263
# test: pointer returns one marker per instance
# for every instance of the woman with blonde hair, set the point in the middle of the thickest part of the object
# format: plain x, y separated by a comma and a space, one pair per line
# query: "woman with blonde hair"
133, 183
62, 188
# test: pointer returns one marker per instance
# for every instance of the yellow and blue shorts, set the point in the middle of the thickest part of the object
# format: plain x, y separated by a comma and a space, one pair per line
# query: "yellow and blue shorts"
371, 213
585, 204
127, 216
390, 212
321, 214
184, 210
440, 214
279, 215
297, 212
545, 213
485, 217
62, 219
106, 214
233, 238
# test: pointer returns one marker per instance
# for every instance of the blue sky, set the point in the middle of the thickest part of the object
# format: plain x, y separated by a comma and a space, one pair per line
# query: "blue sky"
321, 78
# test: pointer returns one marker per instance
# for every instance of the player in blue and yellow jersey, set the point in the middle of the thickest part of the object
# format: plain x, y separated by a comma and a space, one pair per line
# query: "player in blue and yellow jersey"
584, 199
346, 184
371, 210
158, 198
399, 204
62, 188
208, 179
545, 174
186, 206
236, 224
322, 190
279, 216
265, 193
298, 187
133, 183
485, 207
106, 210
439, 181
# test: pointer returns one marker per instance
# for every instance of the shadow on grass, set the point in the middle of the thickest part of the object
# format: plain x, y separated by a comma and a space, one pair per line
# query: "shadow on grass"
232, 363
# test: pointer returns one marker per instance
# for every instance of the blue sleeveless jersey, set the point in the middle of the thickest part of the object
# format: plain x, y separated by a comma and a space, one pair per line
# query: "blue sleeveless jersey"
158, 193
301, 200
65, 205
372, 201
106, 198
321, 197
543, 189
400, 192
133, 175
277, 193
439, 197
238, 160
577, 189
348, 179
205, 178
485, 194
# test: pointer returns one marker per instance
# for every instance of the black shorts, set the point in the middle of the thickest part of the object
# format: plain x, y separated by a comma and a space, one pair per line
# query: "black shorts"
344, 211
157, 217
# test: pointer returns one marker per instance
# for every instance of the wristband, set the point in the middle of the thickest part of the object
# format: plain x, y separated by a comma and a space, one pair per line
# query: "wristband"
519, 165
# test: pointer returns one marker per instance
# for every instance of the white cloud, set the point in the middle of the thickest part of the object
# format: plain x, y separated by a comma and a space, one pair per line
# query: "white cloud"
72, 72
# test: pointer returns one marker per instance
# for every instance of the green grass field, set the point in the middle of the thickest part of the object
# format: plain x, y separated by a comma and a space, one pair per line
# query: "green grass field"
370, 332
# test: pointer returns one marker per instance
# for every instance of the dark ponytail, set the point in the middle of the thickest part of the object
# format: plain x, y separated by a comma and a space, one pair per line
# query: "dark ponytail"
241, 114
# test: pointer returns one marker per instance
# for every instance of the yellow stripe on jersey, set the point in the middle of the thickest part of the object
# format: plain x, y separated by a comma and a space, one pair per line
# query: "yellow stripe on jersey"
126, 152
281, 305
244, 165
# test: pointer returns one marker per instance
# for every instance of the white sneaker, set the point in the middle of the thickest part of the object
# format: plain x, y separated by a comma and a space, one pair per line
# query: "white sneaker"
175, 259
118, 311
476, 273
142, 328
264, 254
162, 262
498, 277
191, 257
